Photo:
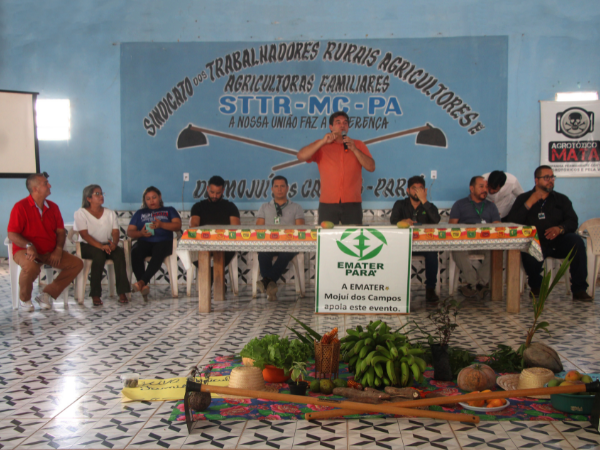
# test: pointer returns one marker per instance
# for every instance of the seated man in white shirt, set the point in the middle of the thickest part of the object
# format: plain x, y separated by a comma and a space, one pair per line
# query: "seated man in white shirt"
503, 190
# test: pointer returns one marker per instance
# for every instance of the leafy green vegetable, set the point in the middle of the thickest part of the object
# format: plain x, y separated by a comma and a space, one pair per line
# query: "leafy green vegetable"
505, 359
459, 359
276, 351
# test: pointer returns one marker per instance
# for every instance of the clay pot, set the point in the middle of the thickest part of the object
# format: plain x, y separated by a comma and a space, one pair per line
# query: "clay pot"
272, 374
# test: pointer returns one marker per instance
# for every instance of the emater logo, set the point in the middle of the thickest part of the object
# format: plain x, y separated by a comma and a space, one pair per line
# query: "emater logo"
366, 247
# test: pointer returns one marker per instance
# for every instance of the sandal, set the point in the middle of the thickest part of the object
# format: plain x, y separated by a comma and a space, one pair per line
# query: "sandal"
137, 287
123, 298
97, 301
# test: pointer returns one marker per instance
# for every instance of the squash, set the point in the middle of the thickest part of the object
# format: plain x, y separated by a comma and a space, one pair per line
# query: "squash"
476, 377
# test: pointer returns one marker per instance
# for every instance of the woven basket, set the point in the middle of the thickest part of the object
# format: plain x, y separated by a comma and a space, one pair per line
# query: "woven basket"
327, 360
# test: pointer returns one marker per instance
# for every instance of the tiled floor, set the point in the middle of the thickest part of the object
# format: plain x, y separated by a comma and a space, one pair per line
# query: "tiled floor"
60, 388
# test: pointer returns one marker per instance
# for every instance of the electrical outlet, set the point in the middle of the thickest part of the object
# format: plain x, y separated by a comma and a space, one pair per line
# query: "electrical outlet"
434, 174
186, 176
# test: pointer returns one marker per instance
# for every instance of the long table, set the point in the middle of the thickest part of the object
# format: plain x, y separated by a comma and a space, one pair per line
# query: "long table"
301, 238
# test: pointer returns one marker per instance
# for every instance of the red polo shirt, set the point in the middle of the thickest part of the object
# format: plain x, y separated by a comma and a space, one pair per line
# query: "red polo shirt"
341, 173
40, 230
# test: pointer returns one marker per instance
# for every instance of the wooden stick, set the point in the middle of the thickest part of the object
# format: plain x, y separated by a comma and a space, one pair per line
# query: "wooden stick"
234, 137
321, 415
381, 409
457, 398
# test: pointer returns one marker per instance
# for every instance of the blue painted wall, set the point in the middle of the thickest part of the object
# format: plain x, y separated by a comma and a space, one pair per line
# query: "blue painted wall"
68, 49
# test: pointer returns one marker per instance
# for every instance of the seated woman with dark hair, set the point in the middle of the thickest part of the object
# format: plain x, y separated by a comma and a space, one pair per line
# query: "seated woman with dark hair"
153, 226
99, 236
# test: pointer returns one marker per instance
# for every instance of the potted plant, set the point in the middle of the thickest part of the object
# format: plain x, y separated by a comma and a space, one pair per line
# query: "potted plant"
533, 354
444, 320
275, 355
297, 373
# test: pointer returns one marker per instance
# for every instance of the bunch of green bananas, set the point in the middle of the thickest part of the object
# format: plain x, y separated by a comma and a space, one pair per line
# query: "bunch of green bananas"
379, 357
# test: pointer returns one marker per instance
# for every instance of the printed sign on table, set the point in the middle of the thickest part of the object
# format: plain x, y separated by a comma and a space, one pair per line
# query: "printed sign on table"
363, 270
570, 139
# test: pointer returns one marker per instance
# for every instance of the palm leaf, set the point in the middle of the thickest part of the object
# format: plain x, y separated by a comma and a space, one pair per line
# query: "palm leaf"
562, 269
312, 332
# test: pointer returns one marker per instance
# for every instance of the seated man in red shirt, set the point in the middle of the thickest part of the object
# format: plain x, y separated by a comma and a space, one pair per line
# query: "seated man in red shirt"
38, 234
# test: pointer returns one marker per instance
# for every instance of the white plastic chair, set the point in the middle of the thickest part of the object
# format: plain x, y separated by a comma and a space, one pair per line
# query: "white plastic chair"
453, 271
590, 229
233, 276
170, 261
14, 270
299, 279
438, 278
82, 278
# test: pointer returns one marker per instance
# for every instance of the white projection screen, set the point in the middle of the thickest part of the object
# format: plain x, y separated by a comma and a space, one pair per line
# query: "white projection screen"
19, 153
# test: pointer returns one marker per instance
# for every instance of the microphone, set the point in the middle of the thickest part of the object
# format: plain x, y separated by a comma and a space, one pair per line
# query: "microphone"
345, 145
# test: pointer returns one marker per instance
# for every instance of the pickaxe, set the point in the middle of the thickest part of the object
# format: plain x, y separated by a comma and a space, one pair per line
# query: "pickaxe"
193, 136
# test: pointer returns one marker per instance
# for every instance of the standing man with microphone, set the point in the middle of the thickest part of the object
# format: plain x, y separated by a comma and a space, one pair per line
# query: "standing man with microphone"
340, 160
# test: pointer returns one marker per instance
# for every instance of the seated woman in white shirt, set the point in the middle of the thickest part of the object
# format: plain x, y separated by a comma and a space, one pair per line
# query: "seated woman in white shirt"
99, 236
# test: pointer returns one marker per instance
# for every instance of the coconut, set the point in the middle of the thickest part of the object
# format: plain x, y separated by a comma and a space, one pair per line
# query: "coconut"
540, 355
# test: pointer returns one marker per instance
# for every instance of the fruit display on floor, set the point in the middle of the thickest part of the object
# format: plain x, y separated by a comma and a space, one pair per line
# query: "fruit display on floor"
379, 357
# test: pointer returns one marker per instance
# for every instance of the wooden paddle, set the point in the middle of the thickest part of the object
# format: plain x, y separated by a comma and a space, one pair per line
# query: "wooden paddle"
590, 387
381, 408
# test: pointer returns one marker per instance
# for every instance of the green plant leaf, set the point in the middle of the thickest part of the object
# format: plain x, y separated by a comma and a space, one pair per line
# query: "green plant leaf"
562, 269
300, 336
543, 326
312, 332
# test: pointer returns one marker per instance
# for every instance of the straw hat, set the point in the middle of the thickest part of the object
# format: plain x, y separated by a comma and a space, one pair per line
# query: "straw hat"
534, 377
248, 377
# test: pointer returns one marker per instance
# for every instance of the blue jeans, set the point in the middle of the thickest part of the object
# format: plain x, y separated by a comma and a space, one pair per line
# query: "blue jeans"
271, 270
559, 248
431, 267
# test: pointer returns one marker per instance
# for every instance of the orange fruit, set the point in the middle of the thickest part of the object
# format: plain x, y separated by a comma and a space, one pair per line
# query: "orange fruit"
478, 403
496, 402
573, 375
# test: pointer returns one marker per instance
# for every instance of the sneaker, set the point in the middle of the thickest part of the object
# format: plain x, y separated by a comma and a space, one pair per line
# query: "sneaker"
468, 291
431, 295
272, 291
44, 300
261, 286
26, 306
482, 290
582, 296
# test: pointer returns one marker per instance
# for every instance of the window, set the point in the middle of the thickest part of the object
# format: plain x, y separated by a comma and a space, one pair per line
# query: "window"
53, 118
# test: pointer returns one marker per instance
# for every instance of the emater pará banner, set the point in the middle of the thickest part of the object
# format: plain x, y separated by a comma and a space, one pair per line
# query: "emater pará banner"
243, 109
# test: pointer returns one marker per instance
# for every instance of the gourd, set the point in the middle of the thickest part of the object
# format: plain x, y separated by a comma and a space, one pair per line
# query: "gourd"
476, 377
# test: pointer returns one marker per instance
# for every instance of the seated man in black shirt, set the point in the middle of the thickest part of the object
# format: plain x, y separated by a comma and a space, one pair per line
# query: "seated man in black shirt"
416, 209
215, 210
556, 222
